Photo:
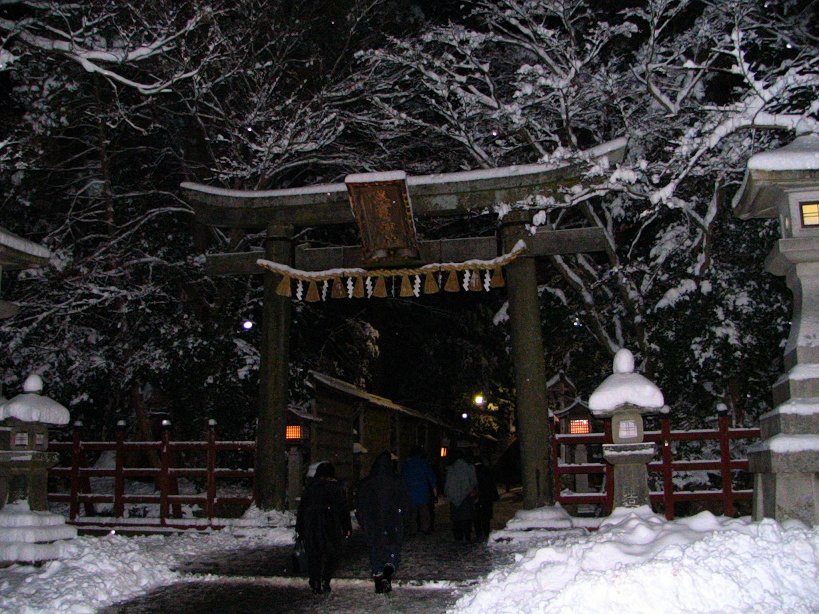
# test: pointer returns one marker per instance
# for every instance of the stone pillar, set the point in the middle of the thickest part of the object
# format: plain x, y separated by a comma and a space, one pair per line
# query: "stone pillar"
26, 480
630, 472
629, 455
784, 184
530, 370
786, 461
271, 459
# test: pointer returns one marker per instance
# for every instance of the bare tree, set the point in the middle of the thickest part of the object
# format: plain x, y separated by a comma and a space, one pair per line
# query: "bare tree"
695, 86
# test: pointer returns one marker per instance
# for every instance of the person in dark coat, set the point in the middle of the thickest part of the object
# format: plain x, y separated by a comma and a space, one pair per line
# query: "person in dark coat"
382, 504
487, 495
323, 522
422, 486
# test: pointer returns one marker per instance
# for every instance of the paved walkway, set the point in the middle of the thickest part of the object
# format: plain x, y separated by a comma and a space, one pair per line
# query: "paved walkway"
435, 571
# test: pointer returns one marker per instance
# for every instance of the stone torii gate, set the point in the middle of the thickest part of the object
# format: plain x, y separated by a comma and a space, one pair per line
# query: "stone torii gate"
281, 212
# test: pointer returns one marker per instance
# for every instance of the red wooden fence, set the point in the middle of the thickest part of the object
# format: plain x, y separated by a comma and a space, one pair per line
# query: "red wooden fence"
165, 476
666, 466
170, 501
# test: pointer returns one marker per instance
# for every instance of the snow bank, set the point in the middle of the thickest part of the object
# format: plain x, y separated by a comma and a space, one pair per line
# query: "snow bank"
102, 571
638, 562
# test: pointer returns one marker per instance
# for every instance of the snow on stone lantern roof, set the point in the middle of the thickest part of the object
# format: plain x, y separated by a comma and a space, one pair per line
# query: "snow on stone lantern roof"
770, 175
624, 387
31, 406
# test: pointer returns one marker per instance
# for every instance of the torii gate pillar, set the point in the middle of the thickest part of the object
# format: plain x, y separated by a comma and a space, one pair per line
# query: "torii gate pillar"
530, 369
270, 473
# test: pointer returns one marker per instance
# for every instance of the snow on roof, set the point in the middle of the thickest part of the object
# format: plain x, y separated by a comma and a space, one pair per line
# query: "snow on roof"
16, 250
610, 149
373, 177
787, 444
323, 188
799, 407
800, 372
625, 387
771, 173
802, 154
347, 388
576, 404
303, 413
31, 406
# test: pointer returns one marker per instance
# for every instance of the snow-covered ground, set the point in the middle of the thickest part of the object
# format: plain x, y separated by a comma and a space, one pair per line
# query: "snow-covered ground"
99, 571
635, 562
639, 562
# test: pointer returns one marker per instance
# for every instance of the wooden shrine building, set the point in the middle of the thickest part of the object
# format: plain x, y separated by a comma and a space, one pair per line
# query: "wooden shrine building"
384, 206
353, 426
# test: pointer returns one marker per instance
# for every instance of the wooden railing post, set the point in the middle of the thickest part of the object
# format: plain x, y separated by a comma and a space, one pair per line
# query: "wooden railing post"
119, 474
725, 465
210, 503
668, 476
555, 455
74, 504
609, 470
164, 471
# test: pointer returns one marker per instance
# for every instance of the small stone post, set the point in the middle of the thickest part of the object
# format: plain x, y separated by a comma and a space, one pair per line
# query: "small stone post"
28, 531
624, 396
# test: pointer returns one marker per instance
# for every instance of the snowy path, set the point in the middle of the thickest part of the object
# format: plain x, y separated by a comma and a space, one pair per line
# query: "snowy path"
435, 570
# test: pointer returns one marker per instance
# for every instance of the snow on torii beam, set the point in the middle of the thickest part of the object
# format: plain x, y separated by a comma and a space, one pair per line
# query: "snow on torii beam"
432, 195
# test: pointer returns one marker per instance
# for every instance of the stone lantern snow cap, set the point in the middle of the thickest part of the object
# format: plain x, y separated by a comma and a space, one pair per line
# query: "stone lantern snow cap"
31, 406
33, 383
624, 390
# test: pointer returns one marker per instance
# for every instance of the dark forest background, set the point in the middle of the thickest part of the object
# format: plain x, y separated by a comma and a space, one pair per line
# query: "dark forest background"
107, 106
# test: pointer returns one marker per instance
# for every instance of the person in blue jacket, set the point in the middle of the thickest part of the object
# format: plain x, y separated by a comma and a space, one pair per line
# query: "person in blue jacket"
381, 508
422, 486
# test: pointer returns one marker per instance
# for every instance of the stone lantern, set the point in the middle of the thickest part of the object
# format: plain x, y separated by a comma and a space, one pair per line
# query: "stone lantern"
784, 184
625, 396
27, 529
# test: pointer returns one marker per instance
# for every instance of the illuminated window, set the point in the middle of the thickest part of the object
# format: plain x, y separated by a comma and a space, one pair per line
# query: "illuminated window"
21, 439
293, 431
443, 452
579, 427
810, 213
39, 440
628, 429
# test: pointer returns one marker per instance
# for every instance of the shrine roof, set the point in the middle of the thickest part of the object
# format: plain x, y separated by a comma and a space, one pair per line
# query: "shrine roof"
354, 391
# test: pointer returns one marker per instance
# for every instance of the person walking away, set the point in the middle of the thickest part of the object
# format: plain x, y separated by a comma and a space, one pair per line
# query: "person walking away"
323, 523
487, 495
422, 486
460, 489
382, 505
